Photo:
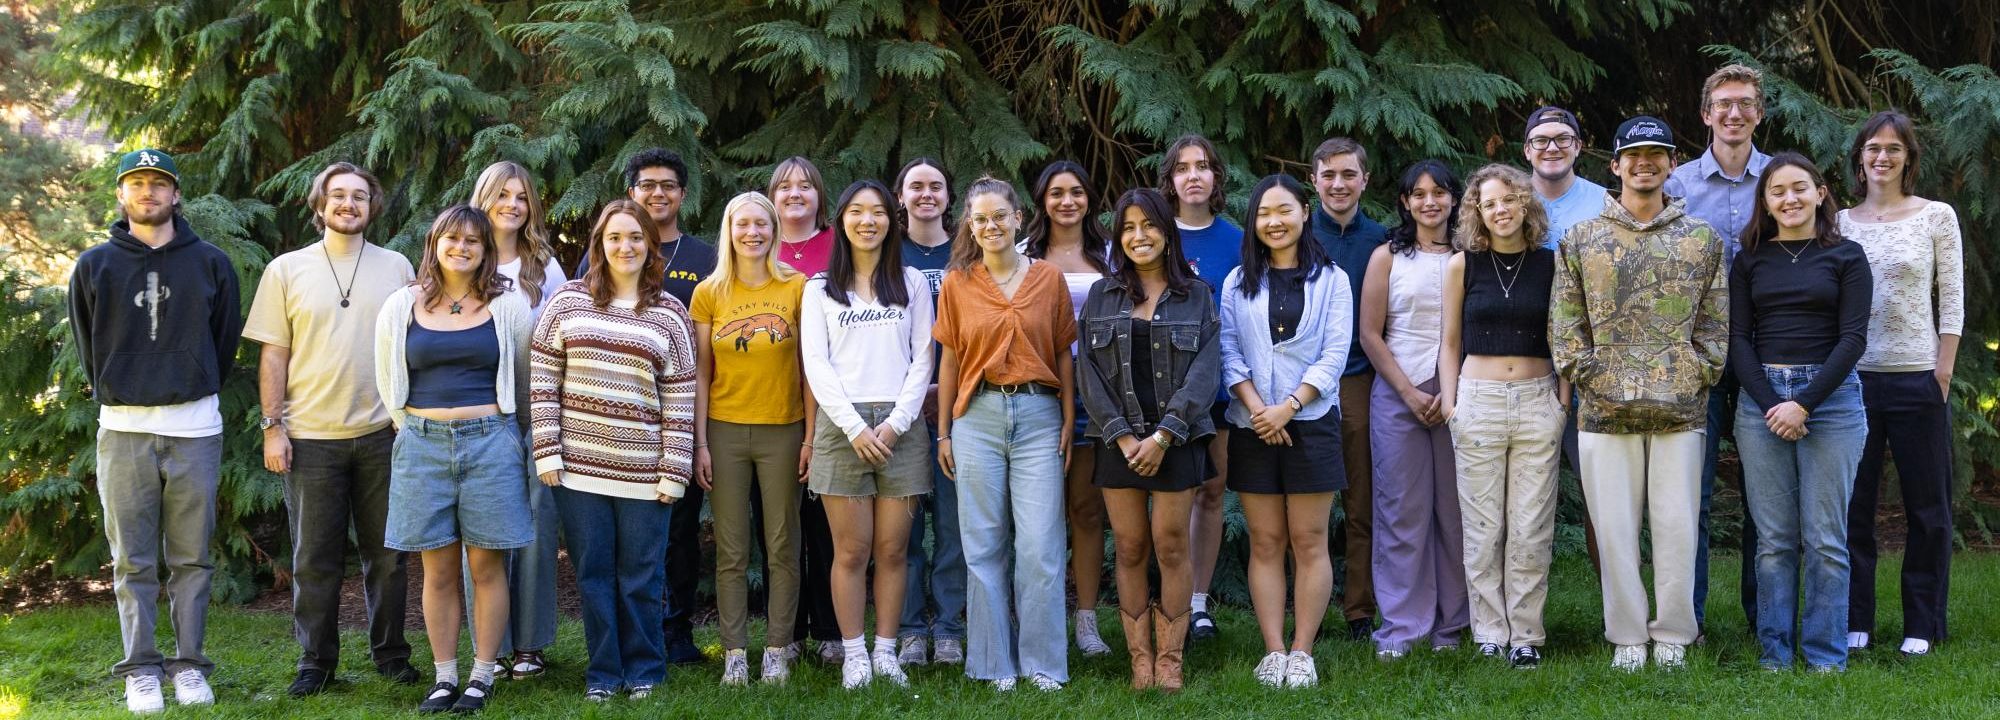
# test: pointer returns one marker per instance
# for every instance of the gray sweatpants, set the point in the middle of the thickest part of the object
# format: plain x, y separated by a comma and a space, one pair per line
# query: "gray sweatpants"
159, 508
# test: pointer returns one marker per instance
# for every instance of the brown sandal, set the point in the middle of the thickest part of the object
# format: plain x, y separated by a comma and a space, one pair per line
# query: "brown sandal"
526, 664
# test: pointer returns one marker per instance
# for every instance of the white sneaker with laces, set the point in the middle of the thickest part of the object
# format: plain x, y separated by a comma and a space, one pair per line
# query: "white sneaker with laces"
1630, 658
1271, 670
948, 651
1087, 639
191, 688
1045, 683
1669, 656
916, 651
889, 668
855, 673
831, 653
777, 666
142, 694
1005, 684
1300, 670
735, 668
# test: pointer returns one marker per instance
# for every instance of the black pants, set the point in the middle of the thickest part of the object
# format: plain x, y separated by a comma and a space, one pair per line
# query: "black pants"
1909, 419
816, 618
684, 571
335, 484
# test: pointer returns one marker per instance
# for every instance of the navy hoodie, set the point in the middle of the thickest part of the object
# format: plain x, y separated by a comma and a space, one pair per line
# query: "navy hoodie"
155, 326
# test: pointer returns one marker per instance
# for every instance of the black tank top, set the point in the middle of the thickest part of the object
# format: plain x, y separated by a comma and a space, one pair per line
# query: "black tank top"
1507, 303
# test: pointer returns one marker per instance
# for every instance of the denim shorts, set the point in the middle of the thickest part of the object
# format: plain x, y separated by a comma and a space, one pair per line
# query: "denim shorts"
453, 480
840, 472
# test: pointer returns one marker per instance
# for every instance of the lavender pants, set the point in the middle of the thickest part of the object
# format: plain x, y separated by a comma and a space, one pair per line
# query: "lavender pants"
1419, 551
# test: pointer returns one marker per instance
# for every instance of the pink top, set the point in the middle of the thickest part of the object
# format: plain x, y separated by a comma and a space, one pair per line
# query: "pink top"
811, 256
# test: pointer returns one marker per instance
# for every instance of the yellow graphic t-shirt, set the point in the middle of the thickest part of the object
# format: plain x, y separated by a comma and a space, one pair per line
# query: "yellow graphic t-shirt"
753, 337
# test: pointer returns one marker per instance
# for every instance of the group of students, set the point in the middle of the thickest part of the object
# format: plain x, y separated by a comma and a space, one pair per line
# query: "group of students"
1007, 387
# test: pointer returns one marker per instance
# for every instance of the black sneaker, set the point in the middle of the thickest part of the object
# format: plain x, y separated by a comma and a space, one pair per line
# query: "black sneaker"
473, 699
1361, 630
1202, 626
681, 649
439, 699
1492, 650
399, 672
1525, 657
311, 681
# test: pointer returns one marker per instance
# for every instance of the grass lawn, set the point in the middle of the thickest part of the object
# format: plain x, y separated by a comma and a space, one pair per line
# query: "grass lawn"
53, 664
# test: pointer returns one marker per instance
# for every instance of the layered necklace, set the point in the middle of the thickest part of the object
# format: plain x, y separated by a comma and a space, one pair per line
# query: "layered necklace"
1506, 282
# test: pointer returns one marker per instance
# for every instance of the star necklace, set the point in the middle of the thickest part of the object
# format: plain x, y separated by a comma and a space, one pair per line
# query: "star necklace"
455, 304
798, 248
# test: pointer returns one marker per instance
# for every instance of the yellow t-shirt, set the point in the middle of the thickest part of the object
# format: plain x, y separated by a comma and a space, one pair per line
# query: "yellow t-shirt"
330, 381
753, 337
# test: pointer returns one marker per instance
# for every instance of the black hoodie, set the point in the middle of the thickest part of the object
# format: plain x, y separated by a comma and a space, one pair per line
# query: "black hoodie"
155, 326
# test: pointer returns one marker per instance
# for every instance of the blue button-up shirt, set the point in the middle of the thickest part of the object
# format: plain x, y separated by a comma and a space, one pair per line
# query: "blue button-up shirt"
1314, 355
1350, 246
1725, 203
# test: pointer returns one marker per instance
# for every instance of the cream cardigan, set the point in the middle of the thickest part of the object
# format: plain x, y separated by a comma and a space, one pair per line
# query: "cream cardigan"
511, 321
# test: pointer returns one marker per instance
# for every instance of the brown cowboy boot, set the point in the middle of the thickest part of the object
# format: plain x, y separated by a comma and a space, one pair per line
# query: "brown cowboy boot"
1139, 642
1170, 634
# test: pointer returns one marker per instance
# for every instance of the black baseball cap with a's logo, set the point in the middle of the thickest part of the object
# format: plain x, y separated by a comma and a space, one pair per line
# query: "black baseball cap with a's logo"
1642, 131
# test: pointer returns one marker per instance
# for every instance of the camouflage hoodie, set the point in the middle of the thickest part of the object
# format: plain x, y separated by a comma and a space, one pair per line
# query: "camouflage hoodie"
1639, 319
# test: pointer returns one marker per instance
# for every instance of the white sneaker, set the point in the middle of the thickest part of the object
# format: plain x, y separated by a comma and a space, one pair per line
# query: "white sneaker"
191, 688
916, 651
1300, 670
1857, 640
142, 694
889, 668
1045, 683
854, 672
777, 666
1005, 684
735, 668
1669, 656
1271, 670
1630, 658
1087, 639
831, 653
949, 651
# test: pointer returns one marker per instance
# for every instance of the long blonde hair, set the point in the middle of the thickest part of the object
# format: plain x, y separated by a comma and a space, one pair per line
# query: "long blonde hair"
1471, 234
533, 244
724, 276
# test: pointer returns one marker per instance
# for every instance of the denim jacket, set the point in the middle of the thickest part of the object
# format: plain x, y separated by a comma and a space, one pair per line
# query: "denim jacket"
1186, 362
1316, 355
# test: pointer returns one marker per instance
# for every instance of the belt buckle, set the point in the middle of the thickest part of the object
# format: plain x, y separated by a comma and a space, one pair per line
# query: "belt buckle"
1008, 389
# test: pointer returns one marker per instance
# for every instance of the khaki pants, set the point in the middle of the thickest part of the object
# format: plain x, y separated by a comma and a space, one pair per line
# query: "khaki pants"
1507, 438
1629, 478
769, 455
1357, 596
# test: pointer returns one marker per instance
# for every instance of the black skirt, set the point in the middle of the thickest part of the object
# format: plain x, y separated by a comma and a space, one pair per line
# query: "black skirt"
1311, 464
1183, 468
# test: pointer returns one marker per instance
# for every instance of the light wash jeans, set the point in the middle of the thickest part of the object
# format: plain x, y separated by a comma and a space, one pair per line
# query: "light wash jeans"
159, 509
1799, 492
1008, 453
941, 571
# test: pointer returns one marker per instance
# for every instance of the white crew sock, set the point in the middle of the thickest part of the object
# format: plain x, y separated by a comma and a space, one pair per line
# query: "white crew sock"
855, 647
447, 671
482, 671
1199, 603
885, 645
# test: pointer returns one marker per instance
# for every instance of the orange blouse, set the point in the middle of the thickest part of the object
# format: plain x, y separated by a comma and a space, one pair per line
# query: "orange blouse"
1001, 341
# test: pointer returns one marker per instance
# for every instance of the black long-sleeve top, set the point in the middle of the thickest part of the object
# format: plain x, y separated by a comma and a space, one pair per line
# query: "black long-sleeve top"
1812, 310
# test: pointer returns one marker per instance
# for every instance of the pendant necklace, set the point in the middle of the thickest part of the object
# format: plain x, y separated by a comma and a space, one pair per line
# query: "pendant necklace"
1507, 285
1795, 255
798, 248
456, 304
351, 277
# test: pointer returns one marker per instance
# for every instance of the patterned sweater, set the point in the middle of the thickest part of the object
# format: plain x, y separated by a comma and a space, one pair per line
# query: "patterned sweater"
612, 395
1639, 319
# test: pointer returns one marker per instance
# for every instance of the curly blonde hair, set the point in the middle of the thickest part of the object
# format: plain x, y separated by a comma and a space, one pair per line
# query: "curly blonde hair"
1471, 234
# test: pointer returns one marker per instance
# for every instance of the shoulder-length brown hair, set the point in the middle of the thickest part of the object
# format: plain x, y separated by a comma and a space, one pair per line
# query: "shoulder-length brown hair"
810, 172
1472, 235
1762, 227
652, 275
1905, 130
487, 282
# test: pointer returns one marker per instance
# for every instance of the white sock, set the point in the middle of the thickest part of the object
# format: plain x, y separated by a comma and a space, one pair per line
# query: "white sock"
1857, 640
854, 647
885, 645
1199, 603
482, 671
447, 671
1915, 646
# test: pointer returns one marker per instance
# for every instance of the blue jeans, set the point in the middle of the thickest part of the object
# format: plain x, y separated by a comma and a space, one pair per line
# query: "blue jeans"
1798, 492
616, 545
943, 566
1007, 449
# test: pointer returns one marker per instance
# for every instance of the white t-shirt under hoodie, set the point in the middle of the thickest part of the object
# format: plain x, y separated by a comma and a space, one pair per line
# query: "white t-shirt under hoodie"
865, 352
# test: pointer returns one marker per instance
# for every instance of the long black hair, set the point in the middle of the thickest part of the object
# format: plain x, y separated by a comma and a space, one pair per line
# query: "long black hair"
1403, 238
1763, 227
1160, 213
1256, 257
888, 279
1095, 241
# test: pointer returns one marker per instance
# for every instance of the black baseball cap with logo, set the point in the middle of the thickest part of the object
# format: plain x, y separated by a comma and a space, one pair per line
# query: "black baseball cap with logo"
1551, 114
149, 159
1642, 131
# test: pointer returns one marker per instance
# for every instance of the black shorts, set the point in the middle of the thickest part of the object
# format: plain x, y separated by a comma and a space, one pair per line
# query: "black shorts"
1311, 464
1185, 467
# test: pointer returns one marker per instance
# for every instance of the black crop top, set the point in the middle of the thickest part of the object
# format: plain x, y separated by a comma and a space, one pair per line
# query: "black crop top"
1506, 310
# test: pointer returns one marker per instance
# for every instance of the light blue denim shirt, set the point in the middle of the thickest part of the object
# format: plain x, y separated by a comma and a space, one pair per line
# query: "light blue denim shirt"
1316, 355
1725, 203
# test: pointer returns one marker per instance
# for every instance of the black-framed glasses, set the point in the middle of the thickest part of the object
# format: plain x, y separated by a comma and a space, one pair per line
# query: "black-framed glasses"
1561, 142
